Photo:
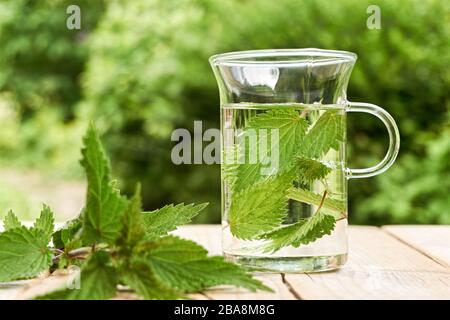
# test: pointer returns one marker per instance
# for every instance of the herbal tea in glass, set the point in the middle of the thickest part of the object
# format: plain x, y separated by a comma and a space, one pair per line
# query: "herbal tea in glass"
290, 200
284, 171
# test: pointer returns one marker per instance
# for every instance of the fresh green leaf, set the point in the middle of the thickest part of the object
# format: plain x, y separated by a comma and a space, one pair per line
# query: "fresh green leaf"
184, 265
141, 279
228, 174
23, 253
312, 198
133, 226
10, 221
98, 280
326, 133
66, 234
45, 222
159, 222
104, 204
303, 232
259, 208
291, 131
309, 170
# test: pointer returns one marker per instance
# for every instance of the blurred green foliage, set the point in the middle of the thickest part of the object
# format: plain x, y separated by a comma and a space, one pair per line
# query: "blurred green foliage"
10, 197
140, 69
41, 62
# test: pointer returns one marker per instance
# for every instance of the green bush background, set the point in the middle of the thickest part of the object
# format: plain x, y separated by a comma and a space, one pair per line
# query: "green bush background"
140, 69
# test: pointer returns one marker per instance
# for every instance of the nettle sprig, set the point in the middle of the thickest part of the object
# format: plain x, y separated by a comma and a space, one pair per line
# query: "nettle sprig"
115, 243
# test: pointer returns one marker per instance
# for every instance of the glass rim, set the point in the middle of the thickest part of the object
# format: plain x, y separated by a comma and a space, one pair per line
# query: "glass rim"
275, 57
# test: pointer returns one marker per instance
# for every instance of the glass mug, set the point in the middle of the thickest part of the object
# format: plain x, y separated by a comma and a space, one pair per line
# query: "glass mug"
283, 151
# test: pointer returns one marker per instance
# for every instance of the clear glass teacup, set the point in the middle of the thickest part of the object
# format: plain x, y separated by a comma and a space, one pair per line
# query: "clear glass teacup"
284, 171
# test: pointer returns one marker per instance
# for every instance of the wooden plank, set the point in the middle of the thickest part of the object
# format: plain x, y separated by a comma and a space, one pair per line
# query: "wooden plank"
432, 241
274, 281
37, 287
61, 279
210, 237
8, 290
379, 267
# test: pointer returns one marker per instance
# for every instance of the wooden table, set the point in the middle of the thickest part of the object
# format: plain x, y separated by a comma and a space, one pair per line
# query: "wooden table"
391, 262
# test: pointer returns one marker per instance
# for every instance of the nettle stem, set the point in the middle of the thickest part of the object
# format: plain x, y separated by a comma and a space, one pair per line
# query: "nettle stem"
322, 201
79, 253
343, 215
76, 253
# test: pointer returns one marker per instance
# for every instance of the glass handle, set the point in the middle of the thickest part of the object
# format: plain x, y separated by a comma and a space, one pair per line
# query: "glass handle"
394, 140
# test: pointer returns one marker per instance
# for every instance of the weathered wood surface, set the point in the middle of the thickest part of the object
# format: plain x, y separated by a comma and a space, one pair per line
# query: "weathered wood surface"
432, 241
392, 262
379, 267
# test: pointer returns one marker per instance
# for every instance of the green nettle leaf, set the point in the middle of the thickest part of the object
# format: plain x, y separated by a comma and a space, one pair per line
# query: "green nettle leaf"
45, 222
259, 208
133, 225
140, 277
291, 131
312, 198
127, 246
10, 221
185, 266
309, 170
229, 174
303, 232
326, 133
98, 280
23, 253
66, 234
161, 221
104, 204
